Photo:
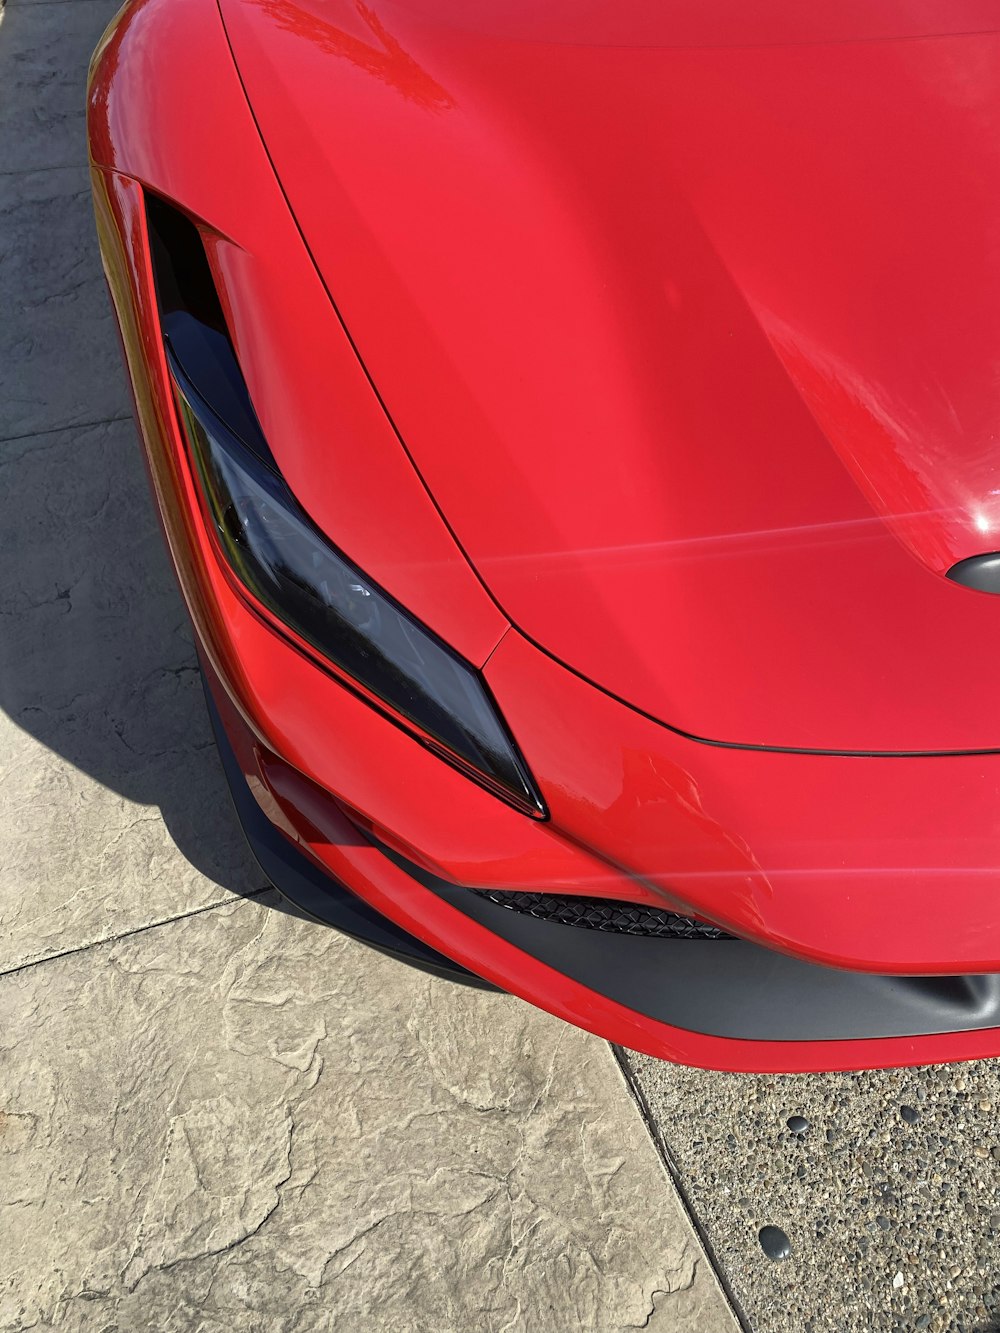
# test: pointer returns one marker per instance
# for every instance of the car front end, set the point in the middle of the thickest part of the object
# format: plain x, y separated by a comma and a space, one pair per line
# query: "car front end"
415, 765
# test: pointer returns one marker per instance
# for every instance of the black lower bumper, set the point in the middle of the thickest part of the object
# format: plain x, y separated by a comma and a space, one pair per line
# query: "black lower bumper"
733, 989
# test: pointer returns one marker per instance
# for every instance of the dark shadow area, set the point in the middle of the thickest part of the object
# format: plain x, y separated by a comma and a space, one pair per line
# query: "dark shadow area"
96, 657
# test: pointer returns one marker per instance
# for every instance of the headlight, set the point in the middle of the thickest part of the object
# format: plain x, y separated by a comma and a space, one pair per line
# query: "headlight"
287, 564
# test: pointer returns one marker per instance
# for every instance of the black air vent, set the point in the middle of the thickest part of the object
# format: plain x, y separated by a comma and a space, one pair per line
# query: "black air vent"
620, 918
194, 325
979, 571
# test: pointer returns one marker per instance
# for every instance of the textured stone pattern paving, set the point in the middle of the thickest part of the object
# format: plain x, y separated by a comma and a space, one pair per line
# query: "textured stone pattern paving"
889, 1195
214, 1115
242, 1121
106, 764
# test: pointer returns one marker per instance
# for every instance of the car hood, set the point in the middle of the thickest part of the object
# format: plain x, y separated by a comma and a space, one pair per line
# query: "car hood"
691, 325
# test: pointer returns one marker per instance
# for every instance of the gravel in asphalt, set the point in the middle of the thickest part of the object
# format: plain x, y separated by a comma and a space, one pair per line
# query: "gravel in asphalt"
889, 1197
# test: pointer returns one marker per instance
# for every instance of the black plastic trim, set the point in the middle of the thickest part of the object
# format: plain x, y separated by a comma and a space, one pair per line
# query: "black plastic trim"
612, 915
733, 989
194, 325
315, 893
981, 572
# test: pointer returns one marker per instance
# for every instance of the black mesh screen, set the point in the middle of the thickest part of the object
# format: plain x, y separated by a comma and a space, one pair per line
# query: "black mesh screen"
609, 914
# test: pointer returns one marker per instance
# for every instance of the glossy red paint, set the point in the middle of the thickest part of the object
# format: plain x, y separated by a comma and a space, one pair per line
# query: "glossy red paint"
696, 345
676, 518
425, 808
307, 383
878, 864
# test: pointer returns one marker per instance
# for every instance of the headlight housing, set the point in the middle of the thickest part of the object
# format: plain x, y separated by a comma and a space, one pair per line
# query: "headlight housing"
287, 565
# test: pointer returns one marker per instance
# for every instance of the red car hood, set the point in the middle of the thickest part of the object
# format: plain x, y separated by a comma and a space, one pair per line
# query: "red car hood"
691, 324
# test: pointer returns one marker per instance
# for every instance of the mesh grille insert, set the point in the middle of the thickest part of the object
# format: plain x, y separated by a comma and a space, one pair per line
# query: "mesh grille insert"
609, 914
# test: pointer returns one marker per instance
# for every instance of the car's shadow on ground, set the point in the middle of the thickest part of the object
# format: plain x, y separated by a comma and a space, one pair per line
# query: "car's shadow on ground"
96, 656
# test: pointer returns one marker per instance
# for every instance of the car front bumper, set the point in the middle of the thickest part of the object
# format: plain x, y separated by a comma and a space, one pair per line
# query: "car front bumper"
724, 1002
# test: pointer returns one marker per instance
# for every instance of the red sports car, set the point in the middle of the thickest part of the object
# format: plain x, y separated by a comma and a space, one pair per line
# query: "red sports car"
576, 428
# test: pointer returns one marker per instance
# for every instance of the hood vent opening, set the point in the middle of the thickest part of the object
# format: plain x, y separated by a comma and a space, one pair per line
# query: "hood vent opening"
981, 572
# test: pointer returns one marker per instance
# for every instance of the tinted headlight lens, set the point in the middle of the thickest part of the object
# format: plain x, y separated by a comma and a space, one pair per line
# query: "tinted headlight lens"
282, 558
